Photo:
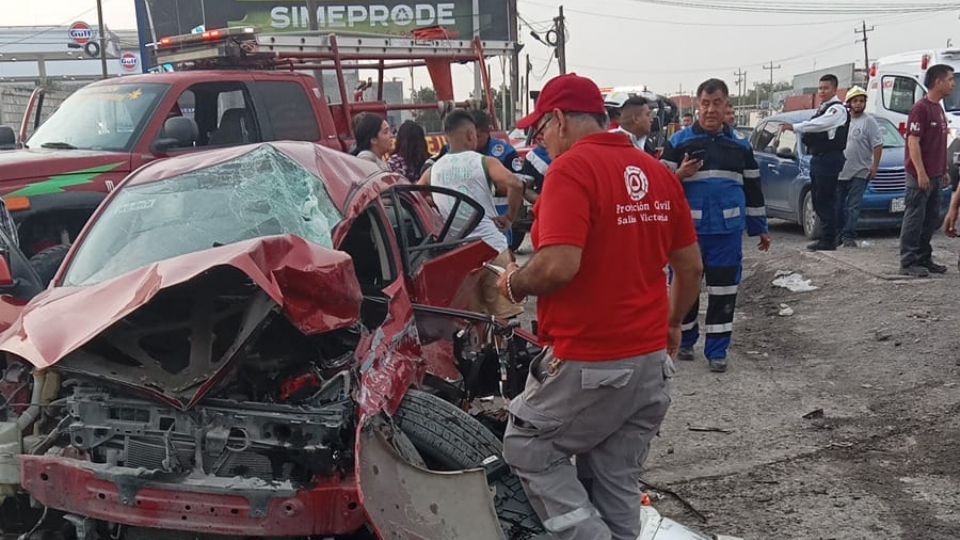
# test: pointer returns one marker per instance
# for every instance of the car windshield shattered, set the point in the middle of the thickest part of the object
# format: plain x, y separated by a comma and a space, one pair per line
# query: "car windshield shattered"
262, 193
100, 117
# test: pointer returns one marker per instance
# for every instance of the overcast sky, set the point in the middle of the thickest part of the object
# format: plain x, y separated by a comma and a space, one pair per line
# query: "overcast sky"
628, 42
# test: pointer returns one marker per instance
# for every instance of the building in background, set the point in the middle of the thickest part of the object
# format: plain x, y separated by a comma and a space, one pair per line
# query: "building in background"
847, 75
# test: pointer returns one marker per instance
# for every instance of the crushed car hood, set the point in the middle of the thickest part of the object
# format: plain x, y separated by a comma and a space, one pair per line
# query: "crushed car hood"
314, 288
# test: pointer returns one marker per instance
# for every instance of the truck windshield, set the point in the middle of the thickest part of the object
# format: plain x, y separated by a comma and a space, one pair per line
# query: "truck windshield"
100, 117
891, 137
262, 193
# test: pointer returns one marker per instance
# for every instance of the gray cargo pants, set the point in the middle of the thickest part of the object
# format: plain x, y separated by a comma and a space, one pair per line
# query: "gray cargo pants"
603, 413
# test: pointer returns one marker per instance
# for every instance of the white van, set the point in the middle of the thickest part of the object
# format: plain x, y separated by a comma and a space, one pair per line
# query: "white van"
896, 83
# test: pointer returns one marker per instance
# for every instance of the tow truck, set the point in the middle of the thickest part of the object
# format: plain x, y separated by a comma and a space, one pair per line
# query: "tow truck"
229, 87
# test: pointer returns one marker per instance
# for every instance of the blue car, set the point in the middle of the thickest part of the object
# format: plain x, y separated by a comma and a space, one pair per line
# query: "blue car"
785, 175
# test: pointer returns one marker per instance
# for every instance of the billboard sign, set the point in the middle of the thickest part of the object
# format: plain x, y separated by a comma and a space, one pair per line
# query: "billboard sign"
174, 17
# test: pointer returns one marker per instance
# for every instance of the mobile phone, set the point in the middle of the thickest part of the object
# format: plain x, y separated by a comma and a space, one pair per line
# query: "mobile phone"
698, 154
498, 270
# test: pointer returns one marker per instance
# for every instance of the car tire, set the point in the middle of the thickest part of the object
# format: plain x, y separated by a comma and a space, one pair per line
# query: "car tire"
450, 439
47, 262
808, 217
516, 239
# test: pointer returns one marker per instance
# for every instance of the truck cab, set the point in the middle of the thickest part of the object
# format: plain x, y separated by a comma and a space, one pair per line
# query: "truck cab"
896, 84
108, 129
230, 87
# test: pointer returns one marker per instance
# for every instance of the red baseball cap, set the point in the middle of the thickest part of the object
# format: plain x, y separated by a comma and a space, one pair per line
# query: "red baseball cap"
569, 93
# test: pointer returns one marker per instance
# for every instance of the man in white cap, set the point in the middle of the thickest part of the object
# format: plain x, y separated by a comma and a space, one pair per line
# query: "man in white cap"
862, 154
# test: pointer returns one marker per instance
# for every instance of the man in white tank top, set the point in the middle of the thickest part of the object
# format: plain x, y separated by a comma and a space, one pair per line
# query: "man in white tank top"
464, 170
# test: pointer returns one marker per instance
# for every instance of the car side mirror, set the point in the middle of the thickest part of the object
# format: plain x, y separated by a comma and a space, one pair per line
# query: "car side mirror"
6, 276
786, 153
178, 132
8, 138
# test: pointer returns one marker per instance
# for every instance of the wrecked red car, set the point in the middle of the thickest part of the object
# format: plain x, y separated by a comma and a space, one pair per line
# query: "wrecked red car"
262, 341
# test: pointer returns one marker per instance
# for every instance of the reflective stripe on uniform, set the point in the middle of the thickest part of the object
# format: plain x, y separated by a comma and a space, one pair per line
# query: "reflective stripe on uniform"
731, 212
672, 165
696, 214
688, 326
718, 328
757, 211
538, 163
751, 173
714, 174
722, 291
565, 521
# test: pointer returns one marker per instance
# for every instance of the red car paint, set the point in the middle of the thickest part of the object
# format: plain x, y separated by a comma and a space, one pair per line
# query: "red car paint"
81, 488
22, 170
316, 291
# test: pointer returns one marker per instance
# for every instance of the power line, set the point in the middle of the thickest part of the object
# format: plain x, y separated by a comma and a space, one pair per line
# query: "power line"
52, 28
824, 22
807, 7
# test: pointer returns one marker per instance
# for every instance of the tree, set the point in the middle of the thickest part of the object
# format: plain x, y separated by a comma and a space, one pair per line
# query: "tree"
429, 120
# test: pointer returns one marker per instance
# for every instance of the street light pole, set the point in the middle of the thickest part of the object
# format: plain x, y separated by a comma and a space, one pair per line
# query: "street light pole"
103, 39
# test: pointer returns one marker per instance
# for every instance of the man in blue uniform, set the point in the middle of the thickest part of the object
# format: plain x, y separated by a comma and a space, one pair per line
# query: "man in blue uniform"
722, 182
535, 166
500, 150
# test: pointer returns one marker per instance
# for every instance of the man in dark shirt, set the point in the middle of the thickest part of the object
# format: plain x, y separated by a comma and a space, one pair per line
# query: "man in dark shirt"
926, 164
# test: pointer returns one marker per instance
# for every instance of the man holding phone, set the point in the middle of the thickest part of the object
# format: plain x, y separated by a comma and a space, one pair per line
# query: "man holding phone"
722, 182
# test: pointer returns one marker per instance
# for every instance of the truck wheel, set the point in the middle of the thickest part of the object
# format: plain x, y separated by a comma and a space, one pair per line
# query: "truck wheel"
47, 262
516, 240
450, 439
808, 217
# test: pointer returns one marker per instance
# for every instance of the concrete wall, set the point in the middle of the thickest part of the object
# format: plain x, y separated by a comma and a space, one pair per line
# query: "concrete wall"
14, 100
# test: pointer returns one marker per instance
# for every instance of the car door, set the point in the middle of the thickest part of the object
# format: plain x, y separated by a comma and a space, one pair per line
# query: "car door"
764, 149
439, 259
898, 93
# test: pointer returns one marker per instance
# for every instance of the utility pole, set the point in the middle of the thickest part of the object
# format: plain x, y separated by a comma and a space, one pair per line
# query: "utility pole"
560, 23
741, 77
103, 39
512, 116
526, 88
771, 68
866, 56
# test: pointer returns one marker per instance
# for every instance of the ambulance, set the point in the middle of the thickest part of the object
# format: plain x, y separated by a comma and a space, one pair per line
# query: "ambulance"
896, 83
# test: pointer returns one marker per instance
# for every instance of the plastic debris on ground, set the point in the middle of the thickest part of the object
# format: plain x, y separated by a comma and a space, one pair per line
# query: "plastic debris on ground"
793, 281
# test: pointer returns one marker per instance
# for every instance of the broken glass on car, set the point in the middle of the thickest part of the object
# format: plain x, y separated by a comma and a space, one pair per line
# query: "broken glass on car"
262, 193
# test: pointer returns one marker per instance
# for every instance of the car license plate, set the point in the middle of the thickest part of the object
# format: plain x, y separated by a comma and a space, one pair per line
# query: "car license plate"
898, 205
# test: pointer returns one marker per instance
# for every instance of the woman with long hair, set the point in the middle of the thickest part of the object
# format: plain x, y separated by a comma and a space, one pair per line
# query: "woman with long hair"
373, 138
411, 151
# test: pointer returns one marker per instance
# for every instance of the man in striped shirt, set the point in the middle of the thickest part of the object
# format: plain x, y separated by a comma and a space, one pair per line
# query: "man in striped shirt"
722, 182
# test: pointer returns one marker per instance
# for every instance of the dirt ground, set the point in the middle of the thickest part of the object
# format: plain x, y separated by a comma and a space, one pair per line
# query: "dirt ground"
879, 355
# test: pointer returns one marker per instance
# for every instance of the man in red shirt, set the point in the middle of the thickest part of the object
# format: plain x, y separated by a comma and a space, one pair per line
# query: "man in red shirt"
926, 164
608, 221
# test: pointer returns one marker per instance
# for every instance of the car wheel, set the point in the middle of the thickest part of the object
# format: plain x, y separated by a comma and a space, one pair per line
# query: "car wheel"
449, 439
47, 262
808, 217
